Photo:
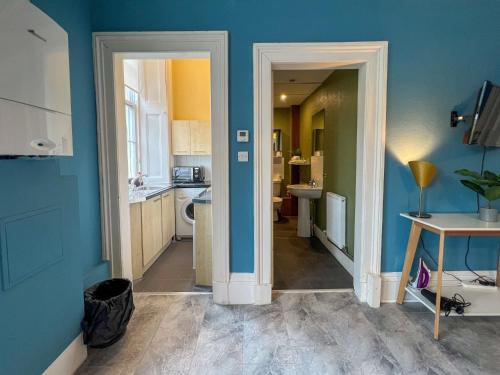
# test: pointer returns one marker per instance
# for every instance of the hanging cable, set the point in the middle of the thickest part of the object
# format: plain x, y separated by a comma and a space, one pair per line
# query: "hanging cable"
484, 280
433, 260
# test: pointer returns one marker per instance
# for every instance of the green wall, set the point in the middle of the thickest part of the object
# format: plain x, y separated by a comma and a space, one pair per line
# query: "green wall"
283, 121
337, 96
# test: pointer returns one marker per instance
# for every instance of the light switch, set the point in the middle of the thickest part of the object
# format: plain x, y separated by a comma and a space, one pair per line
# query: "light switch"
243, 156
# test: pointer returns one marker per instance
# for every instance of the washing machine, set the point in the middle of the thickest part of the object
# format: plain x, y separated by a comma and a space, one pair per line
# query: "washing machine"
184, 211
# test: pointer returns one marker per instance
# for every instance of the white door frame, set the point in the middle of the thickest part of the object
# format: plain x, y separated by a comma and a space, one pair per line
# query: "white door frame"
116, 231
370, 58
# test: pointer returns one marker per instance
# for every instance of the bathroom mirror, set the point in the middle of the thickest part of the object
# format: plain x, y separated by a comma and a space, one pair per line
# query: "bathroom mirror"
277, 142
318, 136
318, 132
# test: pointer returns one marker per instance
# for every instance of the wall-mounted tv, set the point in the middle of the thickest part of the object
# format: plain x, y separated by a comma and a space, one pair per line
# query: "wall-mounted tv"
482, 97
485, 129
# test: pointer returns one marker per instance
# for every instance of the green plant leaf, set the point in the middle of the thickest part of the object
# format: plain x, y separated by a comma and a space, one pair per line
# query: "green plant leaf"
489, 175
468, 173
474, 187
493, 193
486, 182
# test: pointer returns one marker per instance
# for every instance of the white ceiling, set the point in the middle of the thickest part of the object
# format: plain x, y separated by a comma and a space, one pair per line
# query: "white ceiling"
296, 85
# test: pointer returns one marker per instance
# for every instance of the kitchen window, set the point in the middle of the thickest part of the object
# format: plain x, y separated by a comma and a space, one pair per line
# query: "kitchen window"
131, 121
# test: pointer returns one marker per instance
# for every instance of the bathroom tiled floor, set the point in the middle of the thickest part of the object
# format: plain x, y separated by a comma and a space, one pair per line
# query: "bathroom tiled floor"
304, 263
314, 333
172, 272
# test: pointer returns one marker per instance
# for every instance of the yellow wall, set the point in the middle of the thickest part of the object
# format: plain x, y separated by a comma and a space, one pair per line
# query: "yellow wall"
191, 89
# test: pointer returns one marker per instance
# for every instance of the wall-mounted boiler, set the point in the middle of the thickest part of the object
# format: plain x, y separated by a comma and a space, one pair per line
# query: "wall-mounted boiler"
35, 101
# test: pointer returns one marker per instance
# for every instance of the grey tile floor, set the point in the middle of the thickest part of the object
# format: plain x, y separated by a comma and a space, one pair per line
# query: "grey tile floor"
314, 333
172, 272
304, 263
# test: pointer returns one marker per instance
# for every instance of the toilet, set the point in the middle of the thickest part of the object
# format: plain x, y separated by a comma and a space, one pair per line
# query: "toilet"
277, 201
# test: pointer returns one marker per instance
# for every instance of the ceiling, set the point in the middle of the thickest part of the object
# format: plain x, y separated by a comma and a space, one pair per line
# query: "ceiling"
296, 85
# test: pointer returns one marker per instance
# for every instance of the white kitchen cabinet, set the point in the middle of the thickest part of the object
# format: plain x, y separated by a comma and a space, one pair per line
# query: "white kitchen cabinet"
152, 237
191, 137
167, 217
152, 227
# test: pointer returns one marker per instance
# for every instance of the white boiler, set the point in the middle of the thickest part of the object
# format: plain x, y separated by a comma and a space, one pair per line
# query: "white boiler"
35, 101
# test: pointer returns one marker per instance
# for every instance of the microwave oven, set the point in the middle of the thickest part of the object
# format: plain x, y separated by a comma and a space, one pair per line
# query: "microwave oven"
188, 174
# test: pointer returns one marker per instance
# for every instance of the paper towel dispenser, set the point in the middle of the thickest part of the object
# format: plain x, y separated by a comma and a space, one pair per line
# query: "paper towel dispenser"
35, 100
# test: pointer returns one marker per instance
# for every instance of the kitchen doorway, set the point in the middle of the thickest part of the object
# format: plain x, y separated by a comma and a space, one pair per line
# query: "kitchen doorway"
110, 51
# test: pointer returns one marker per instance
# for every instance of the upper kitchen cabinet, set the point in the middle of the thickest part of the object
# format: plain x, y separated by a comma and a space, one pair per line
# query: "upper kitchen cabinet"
191, 137
181, 137
201, 138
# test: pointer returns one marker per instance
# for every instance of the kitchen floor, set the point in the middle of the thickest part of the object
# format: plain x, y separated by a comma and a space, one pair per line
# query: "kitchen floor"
304, 263
299, 333
172, 272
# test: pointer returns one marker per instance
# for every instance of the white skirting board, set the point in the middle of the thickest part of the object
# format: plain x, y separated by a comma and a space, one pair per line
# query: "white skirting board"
390, 282
343, 259
70, 359
242, 289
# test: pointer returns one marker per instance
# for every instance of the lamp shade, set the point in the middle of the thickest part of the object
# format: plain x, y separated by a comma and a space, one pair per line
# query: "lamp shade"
423, 171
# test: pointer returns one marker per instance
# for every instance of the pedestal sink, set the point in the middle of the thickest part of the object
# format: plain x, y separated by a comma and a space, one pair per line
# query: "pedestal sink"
305, 193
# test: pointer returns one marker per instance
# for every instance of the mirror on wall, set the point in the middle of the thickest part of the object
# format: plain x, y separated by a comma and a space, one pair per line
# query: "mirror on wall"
277, 141
318, 132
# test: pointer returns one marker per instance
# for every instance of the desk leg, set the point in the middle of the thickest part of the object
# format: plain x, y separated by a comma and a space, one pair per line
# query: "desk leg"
410, 255
439, 285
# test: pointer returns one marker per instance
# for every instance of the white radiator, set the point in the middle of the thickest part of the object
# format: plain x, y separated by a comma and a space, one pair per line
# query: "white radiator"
335, 219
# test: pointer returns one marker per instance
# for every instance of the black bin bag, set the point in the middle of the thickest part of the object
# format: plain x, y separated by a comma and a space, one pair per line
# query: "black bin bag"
108, 308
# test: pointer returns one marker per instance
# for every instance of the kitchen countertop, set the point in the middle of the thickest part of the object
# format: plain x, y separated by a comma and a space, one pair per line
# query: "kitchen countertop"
137, 196
204, 184
151, 191
204, 198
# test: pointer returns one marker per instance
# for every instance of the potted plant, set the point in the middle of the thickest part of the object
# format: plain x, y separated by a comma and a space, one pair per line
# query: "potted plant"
488, 186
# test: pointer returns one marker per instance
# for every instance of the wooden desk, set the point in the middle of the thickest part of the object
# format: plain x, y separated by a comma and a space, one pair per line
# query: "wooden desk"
447, 225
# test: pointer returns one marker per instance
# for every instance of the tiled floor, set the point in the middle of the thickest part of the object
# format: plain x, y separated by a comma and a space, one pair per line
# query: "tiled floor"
304, 263
315, 333
172, 272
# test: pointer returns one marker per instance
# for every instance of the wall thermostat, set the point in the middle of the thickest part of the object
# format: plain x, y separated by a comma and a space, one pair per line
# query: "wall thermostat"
242, 136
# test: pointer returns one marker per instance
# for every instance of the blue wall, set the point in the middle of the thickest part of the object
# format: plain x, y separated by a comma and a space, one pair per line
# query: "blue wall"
40, 315
440, 52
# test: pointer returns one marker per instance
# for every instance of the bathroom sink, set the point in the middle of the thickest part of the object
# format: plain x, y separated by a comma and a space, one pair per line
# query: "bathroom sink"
305, 191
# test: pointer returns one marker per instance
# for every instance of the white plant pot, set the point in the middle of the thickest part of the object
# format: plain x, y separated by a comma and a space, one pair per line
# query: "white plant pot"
488, 214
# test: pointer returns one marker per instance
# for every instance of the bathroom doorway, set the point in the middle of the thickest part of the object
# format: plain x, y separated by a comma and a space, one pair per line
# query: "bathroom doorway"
314, 159
370, 61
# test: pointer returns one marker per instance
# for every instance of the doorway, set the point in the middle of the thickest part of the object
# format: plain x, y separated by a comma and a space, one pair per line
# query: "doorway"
166, 112
314, 165
370, 60
110, 49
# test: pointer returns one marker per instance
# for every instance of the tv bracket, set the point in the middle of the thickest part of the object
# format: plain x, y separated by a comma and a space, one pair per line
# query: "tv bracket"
455, 118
